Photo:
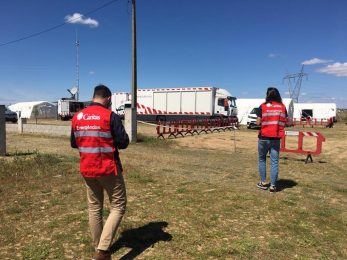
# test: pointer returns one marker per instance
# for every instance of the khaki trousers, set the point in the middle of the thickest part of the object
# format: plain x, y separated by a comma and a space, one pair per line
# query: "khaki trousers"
115, 189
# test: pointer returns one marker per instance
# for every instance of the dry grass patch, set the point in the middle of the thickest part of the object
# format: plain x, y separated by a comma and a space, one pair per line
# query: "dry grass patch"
187, 199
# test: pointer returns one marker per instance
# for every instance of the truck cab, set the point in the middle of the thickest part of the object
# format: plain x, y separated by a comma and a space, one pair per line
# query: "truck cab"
120, 110
232, 106
225, 104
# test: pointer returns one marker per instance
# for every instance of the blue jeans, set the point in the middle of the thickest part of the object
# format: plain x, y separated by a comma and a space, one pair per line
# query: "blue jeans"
273, 147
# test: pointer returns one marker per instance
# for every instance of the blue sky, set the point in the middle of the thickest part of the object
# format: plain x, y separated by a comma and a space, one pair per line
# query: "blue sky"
241, 45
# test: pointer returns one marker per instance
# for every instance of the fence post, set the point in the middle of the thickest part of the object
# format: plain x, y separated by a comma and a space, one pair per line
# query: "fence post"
2, 131
130, 123
21, 122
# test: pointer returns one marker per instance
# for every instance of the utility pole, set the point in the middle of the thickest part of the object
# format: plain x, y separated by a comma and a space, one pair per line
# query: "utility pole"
133, 133
2, 131
77, 43
134, 58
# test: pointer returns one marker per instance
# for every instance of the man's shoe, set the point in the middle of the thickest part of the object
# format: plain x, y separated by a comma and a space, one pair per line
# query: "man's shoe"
102, 255
262, 186
273, 188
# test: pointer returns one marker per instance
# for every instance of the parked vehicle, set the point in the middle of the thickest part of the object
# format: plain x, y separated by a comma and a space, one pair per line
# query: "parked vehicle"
67, 108
119, 100
11, 116
247, 108
178, 103
252, 118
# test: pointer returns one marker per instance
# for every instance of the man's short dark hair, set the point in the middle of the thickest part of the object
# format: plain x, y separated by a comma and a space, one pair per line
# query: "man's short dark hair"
101, 91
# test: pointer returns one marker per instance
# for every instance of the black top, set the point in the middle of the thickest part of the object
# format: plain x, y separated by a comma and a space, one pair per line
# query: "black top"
120, 137
259, 113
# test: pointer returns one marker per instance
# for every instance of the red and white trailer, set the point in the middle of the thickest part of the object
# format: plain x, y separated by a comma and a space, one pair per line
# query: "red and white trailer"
178, 103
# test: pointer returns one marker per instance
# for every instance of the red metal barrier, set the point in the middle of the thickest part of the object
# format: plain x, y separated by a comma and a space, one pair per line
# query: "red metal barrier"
184, 127
299, 149
311, 122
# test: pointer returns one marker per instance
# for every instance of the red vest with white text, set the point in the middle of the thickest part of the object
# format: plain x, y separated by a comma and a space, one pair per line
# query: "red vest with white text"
273, 119
92, 131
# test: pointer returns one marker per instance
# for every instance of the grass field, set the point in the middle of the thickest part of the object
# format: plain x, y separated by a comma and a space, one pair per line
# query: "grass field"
189, 198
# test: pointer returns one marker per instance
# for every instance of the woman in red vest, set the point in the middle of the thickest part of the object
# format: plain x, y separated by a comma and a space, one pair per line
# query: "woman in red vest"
271, 117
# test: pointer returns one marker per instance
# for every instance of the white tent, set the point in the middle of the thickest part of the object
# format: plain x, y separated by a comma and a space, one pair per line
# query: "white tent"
36, 109
246, 105
315, 110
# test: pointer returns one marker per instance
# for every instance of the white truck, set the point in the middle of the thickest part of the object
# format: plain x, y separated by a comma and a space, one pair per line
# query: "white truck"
178, 103
68, 107
315, 110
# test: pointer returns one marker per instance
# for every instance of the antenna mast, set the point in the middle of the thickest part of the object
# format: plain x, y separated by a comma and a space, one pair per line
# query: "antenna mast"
294, 84
77, 44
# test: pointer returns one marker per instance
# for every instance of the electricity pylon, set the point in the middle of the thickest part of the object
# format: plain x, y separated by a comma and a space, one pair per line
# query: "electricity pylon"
294, 84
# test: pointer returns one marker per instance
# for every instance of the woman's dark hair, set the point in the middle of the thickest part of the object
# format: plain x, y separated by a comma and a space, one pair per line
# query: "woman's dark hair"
272, 94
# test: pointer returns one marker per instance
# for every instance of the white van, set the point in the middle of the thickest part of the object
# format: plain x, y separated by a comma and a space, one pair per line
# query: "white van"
252, 118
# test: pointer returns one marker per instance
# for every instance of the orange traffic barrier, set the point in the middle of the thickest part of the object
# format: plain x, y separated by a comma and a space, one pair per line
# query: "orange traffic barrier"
311, 122
299, 149
184, 127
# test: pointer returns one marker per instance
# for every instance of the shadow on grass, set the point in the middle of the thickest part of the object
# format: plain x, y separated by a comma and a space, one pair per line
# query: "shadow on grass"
254, 128
286, 158
285, 184
19, 153
147, 139
141, 238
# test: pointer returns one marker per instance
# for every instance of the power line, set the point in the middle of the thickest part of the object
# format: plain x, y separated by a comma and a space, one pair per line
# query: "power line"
57, 26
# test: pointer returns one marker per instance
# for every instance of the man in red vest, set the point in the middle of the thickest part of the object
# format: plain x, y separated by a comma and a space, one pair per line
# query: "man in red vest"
272, 117
98, 133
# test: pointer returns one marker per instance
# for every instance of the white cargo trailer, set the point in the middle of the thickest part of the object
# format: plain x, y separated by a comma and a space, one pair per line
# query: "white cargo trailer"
178, 103
315, 110
247, 108
67, 108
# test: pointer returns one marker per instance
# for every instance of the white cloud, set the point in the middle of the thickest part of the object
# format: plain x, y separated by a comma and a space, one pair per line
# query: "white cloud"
338, 69
91, 72
303, 94
78, 18
273, 55
315, 61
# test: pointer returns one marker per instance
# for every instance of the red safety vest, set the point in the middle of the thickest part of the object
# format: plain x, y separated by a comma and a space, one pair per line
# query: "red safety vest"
273, 119
91, 128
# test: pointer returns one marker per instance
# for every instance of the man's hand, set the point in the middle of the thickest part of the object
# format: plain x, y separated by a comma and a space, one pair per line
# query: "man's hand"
258, 120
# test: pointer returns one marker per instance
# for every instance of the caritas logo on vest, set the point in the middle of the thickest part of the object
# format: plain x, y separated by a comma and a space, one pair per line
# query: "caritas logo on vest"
87, 117
272, 105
